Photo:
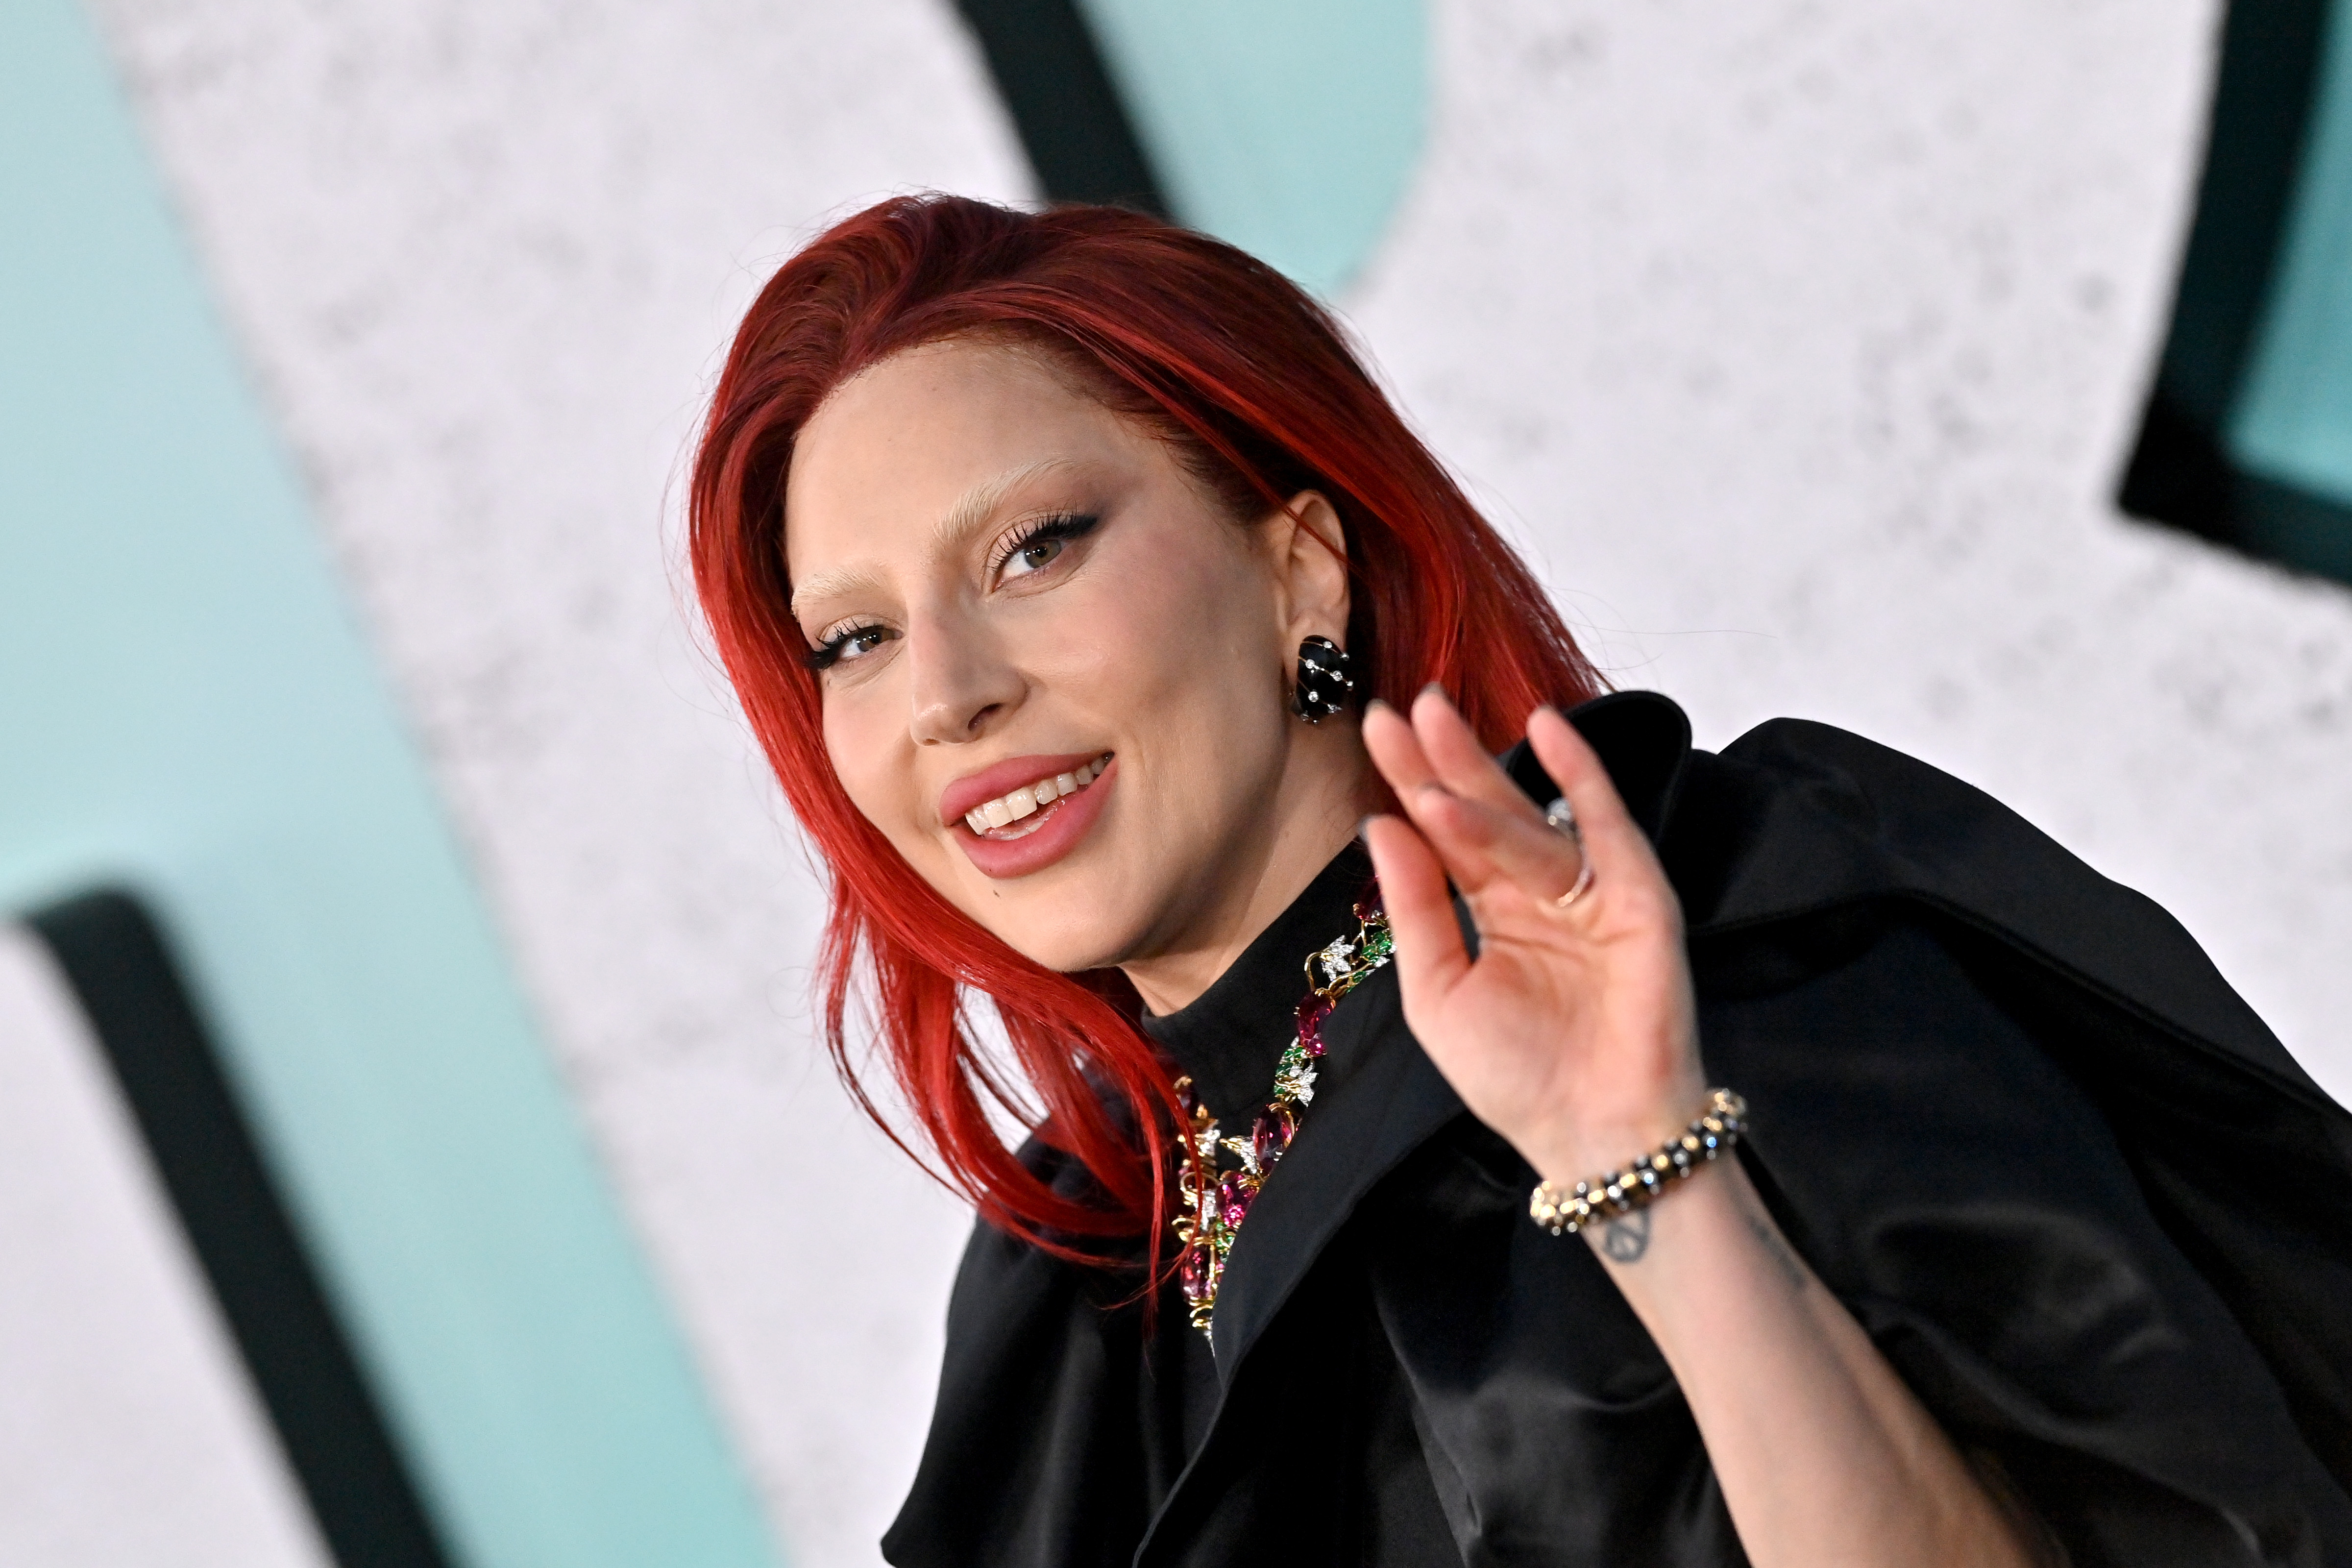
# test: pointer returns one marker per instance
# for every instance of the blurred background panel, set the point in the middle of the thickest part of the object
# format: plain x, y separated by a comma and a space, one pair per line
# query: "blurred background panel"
1806, 349
2247, 436
480, 263
1290, 130
190, 713
128, 1433
2293, 422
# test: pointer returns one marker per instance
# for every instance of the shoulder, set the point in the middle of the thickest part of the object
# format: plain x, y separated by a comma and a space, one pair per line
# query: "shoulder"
1795, 819
1798, 822
1861, 916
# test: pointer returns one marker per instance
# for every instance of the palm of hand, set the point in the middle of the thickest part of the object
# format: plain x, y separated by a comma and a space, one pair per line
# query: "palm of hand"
1571, 1032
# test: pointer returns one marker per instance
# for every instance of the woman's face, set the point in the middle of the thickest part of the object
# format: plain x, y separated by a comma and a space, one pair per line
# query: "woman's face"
1017, 595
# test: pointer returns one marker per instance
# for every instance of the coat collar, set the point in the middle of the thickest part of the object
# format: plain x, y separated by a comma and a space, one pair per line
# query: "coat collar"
1379, 1099
1797, 820
1643, 739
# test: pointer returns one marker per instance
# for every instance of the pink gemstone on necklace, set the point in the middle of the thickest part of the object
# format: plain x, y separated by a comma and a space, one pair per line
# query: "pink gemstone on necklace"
1193, 1272
1276, 1124
1311, 1014
1218, 1203
1232, 1199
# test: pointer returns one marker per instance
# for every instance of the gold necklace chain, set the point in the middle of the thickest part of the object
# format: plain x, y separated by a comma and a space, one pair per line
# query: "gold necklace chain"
1214, 1201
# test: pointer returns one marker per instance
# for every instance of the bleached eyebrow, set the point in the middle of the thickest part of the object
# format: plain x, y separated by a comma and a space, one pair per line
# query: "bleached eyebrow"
975, 508
972, 512
840, 584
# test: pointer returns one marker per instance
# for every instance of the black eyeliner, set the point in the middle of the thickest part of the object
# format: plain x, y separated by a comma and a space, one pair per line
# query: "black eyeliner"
1067, 526
827, 654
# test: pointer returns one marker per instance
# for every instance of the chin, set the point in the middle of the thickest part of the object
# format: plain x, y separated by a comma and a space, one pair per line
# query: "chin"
1049, 933
1073, 954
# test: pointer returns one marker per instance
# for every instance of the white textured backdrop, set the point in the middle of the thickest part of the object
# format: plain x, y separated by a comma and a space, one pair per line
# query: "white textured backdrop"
1803, 343
484, 260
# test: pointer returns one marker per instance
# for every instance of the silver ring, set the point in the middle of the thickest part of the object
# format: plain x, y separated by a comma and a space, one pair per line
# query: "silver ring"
1560, 817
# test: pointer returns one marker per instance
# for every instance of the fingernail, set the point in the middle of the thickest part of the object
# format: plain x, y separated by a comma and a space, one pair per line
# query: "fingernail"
1436, 685
1379, 702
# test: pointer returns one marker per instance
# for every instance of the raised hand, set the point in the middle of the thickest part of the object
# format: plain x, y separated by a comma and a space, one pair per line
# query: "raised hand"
1571, 1033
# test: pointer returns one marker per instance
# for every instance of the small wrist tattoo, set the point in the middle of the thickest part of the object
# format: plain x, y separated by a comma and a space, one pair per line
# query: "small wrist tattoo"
1625, 1240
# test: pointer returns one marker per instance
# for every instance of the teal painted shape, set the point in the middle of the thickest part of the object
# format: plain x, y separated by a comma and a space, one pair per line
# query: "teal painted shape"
1287, 127
185, 704
2293, 417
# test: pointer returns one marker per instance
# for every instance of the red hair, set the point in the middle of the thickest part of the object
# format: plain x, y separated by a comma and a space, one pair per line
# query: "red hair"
1254, 385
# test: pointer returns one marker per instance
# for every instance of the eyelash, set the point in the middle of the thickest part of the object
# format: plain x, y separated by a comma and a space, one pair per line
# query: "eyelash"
827, 654
1068, 527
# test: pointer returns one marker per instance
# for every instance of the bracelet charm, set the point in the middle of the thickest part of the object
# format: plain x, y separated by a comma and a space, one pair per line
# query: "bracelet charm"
1718, 1127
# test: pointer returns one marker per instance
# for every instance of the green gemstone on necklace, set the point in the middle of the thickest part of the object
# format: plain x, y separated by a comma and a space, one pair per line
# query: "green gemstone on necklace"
1214, 1203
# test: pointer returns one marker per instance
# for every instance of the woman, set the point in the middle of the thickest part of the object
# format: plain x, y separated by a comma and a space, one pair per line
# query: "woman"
1087, 596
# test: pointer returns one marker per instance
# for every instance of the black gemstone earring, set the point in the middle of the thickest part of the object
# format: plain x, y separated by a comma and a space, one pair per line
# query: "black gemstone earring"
1323, 680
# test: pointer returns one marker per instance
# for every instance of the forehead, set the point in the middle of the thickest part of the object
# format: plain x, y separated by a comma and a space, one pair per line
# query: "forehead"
894, 450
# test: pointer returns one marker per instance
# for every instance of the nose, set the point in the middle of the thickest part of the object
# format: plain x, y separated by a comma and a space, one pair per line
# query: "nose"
961, 684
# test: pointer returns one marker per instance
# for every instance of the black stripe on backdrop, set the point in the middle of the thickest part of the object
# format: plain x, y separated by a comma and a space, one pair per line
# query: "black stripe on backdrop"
333, 1433
1050, 72
2265, 93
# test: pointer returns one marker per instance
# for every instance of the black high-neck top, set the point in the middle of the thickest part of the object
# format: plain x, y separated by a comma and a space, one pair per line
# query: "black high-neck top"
1229, 1038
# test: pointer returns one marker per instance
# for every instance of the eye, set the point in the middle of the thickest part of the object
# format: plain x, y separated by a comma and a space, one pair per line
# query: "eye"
1034, 557
1041, 544
848, 644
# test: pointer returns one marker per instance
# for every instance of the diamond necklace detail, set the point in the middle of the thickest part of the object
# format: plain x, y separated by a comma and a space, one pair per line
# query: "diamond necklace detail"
1214, 1201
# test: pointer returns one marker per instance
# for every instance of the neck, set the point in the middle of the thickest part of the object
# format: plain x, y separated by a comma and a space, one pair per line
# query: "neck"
1315, 815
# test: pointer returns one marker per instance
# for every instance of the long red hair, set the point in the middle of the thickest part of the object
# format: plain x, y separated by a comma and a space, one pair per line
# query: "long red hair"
1255, 386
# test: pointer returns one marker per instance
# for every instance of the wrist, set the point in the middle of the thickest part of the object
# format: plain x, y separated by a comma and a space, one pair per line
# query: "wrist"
1589, 1146
1632, 1186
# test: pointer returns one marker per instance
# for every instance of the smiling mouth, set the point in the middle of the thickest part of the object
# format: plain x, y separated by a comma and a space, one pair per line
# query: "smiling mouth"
1020, 812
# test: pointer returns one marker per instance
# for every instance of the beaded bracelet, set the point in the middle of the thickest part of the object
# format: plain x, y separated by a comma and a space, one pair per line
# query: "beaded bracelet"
1716, 1128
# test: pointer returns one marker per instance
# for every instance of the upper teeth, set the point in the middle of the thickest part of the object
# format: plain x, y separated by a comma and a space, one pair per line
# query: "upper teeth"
1025, 802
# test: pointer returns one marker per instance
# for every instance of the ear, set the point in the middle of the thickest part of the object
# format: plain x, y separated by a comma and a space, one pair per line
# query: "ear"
1307, 549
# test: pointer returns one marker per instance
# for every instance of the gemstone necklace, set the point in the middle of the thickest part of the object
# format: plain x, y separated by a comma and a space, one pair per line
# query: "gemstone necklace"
1216, 1202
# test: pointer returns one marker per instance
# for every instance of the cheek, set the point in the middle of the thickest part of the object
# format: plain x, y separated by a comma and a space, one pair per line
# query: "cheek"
864, 735
1182, 632
1176, 670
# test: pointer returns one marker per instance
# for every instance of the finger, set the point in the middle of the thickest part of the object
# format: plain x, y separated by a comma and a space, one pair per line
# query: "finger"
1614, 841
1395, 749
1483, 848
1460, 760
1482, 827
1430, 957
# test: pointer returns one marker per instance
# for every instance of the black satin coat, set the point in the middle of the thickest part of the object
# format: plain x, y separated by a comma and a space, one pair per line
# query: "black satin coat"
2078, 1195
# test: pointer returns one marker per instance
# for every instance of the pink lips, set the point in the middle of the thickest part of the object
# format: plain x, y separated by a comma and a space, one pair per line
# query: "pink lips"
1003, 778
1059, 826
